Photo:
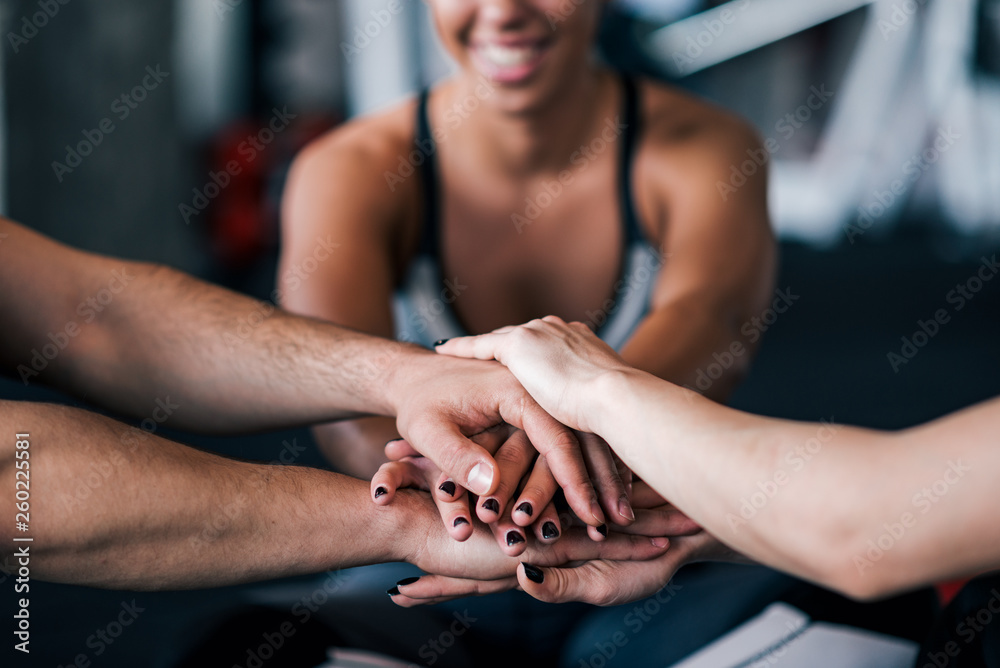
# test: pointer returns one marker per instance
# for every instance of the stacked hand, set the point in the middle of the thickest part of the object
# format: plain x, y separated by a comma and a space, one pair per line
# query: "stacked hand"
560, 365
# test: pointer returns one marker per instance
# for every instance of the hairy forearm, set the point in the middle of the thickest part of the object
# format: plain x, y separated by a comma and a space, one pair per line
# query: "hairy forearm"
112, 506
809, 498
155, 343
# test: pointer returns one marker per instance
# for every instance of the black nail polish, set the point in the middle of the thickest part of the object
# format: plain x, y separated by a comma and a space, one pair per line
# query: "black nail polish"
459, 521
549, 530
492, 505
392, 592
526, 508
448, 487
380, 491
513, 538
603, 530
407, 581
534, 574
441, 342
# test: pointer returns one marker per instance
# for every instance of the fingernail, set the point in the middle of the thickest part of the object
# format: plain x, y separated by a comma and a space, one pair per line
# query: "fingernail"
534, 574
392, 592
441, 342
659, 542
603, 530
526, 508
407, 581
595, 510
459, 521
513, 538
492, 505
392, 440
448, 487
380, 491
550, 530
625, 509
480, 479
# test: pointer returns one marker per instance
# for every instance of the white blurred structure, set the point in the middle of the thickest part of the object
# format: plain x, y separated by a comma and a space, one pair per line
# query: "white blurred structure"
909, 104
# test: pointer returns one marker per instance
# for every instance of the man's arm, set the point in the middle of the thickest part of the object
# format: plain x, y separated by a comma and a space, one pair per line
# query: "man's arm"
113, 506
718, 258
128, 335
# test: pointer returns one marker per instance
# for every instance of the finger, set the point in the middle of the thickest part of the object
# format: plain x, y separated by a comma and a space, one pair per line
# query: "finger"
514, 459
455, 454
511, 538
399, 448
452, 502
538, 491
576, 545
393, 476
547, 527
608, 482
563, 457
440, 587
664, 521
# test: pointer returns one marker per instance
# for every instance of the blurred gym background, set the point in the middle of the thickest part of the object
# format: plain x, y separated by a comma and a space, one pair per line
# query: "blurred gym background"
882, 121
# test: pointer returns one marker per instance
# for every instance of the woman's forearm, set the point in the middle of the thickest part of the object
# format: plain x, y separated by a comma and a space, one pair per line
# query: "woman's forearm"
816, 499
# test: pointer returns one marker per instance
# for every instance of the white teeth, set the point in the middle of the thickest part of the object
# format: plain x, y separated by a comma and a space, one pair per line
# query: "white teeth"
508, 56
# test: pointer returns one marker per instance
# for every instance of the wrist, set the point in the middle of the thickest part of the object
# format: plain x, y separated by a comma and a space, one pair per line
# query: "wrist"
405, 368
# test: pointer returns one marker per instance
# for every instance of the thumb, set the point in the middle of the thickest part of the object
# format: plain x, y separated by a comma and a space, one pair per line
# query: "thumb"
458, 457
562, 585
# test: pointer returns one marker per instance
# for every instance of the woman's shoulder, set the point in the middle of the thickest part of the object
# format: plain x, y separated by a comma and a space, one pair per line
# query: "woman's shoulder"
672, 114
378, 141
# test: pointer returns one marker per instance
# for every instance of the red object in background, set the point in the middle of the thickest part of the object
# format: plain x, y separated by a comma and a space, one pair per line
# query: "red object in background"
947, 590
248, 161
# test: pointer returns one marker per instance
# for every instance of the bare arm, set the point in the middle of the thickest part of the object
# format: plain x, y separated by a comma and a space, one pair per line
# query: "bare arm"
336, 191
718, 262
867, 513
128, 335
112, 506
